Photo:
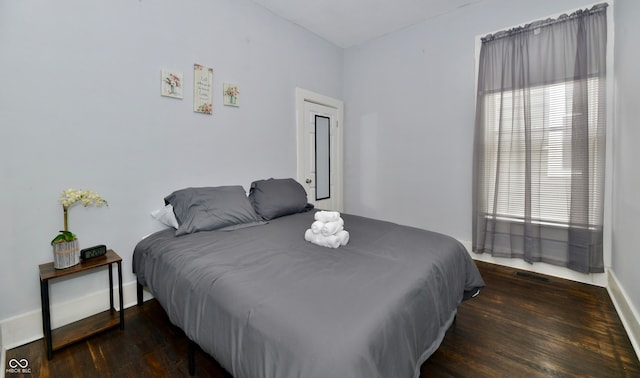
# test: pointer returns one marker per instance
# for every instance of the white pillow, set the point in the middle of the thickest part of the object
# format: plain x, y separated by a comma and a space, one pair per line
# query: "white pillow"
166, 216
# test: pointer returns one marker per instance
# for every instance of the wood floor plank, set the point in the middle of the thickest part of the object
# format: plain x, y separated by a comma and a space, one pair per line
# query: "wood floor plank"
519, 325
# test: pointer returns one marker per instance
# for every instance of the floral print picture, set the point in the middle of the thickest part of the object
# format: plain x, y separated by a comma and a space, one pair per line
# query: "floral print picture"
172, 84
202, 94
231, 94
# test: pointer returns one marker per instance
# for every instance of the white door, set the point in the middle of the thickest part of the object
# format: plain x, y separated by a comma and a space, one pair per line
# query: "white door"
320, 155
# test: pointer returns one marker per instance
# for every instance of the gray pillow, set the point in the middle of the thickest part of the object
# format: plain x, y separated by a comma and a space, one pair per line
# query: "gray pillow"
212, 208
275, 198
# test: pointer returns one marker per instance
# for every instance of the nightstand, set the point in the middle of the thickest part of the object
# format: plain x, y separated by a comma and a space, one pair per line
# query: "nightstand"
70, 333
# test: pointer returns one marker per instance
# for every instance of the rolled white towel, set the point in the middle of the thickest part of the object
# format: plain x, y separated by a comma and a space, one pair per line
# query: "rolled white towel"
330, 241
330, 228
343, 237
327, 216
316, 226
309, 235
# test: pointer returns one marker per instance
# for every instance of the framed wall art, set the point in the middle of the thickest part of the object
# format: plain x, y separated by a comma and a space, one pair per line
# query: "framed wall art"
202, 89
172, 84
231, 94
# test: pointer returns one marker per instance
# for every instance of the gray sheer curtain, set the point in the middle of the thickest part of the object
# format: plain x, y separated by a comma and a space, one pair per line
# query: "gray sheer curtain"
539, 142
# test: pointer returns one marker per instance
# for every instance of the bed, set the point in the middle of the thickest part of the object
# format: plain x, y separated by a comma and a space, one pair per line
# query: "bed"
266, 303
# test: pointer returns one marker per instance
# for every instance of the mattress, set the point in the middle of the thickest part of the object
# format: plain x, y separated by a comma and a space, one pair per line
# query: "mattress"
266, 303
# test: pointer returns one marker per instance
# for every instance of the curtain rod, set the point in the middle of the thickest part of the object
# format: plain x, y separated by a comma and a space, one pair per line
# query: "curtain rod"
541, 23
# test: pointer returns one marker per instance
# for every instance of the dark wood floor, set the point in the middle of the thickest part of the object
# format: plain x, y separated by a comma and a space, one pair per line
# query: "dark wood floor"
517, 327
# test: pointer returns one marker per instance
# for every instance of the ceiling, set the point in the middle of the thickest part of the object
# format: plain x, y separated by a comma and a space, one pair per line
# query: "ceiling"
347, 23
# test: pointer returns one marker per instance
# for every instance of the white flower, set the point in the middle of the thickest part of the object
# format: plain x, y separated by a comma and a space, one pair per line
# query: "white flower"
87, 197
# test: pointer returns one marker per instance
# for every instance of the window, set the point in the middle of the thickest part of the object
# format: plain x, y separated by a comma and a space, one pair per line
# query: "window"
551, 114
539, 142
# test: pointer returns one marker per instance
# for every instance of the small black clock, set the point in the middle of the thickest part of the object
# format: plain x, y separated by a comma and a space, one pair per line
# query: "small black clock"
92, 252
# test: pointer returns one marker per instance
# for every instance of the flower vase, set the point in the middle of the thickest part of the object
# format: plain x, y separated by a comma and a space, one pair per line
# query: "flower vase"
66, 254
232, 100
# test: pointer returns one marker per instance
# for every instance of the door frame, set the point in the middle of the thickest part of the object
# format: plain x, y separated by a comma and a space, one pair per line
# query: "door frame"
302, 96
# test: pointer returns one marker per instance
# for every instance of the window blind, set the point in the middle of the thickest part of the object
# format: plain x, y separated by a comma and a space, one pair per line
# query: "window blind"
550, 147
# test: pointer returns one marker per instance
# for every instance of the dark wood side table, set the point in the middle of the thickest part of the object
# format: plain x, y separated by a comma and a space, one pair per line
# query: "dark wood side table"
70, 333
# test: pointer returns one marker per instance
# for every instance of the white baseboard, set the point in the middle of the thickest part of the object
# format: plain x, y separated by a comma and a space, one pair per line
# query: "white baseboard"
598, 279
27, 327
628, 314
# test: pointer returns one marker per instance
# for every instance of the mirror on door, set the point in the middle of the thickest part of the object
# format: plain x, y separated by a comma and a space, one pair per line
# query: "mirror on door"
322, 157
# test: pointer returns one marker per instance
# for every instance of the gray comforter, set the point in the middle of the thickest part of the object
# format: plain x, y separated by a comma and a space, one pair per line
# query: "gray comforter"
266, 303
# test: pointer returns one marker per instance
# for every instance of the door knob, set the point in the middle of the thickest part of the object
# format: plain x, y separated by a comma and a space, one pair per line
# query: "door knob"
308, 181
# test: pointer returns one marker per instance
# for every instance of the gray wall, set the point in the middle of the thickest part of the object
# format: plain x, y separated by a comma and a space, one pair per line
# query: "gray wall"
410, 111
626, 186
80, 107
